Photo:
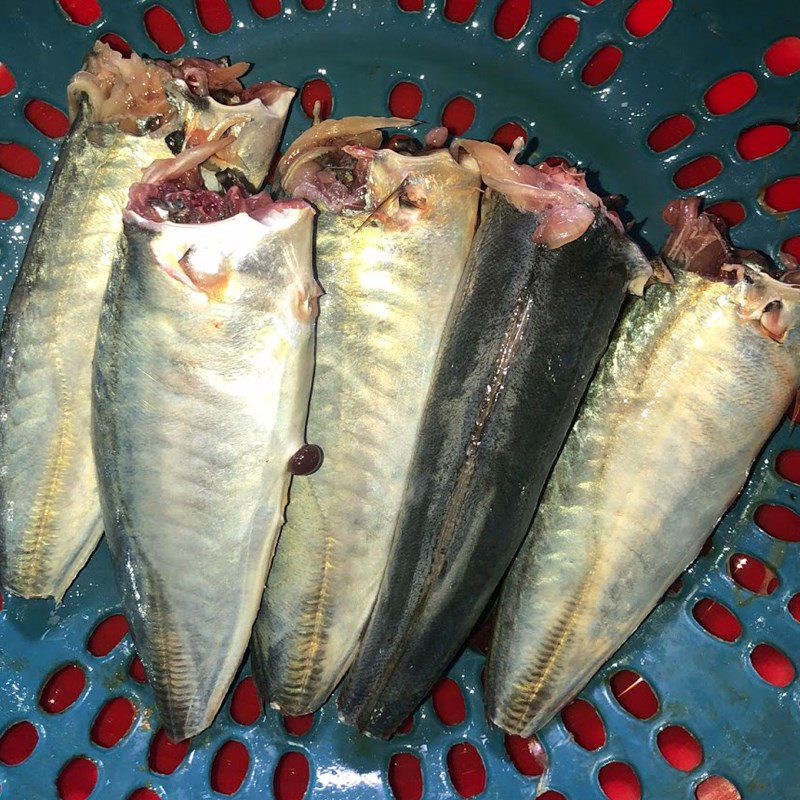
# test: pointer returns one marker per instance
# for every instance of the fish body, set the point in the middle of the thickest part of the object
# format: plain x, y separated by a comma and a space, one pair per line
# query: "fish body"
49, 509
389, 274
683, 401
202, 375
525, 333
126, 112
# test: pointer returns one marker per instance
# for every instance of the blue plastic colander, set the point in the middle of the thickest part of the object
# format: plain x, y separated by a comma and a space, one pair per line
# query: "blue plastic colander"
726, 721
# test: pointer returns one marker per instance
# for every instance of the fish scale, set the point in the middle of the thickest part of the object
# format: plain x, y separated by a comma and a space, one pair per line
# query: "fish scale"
388, 290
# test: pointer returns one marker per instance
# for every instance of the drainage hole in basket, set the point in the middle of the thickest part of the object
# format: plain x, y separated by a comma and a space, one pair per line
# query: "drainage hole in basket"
136, 670
466, 769
730, 211
551, 794
411, 5
646, 15
112, 722
245, 703
794, 606
717, 620
144, 794
77, 779
697, 172
229, 767
762, 141
448, 702
558, 38
783, 57
163, 29
601, 65
459, 10
214, 15
405, 777
299, 725
508, 133
634, 694
783, 195
670, 132
715, 787
406, 726
164, 755
619, 782
62, 689
752, 574
526, 754
8, 206
7, 82
730, 93
581, 719
679, 748
108, 633
779, 522
405, 100
116, 42
18, 160
81, 12
511, 17
313, 92
772, 665
675, 589
290, 781
458, 115
17, 743
791, 247
47, 119
266, 8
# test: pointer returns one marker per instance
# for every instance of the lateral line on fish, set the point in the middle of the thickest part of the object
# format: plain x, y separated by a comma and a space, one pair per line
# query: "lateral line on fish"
512, 337
312, 629
530, 686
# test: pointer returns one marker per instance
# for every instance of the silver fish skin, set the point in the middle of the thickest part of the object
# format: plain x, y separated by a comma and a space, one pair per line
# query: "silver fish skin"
49, 509
389, 280
202, 375
683, 401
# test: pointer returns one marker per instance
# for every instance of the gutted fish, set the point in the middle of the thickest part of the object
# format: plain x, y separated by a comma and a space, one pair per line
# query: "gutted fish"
392, 238
201, 382
213, 102
544, 284
696, 378
126, 113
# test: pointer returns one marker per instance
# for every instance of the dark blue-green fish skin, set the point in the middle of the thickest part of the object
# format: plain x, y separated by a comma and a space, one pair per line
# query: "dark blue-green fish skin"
522, 343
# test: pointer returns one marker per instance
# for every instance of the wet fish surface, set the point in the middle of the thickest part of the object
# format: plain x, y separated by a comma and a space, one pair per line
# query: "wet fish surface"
696, 378
50, 515
202, 376
126, 112
543, 287
390, 250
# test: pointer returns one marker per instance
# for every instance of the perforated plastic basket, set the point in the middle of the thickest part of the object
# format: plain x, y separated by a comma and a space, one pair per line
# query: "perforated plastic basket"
703, 701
